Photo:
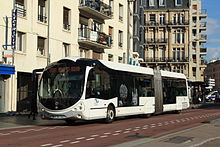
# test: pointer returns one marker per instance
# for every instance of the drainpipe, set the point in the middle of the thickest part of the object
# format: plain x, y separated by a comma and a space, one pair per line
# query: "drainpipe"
48, 34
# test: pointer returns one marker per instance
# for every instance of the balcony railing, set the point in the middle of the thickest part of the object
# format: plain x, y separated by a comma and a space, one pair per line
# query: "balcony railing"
154, 23
42, 18
203, 37
21, 11
163, 59
98, 6
184, 22
66, 27
203, 24
95, 36
150, 40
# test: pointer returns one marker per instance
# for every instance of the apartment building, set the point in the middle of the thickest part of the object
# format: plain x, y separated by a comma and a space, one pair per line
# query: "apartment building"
167, 35
48, 30
197, 46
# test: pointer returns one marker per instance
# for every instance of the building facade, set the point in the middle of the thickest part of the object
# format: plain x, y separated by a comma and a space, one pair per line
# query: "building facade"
212, 71
167, 35
49, 30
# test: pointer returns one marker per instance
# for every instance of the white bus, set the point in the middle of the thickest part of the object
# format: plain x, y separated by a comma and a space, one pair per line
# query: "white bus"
86, 89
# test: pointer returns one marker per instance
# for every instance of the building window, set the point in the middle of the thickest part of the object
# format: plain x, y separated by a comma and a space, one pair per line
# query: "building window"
178, 37
110, 57
178, 2
20, 6
120, 60
120, 12
96, 26
111, 4
20, 42
66, 18
110, 33
42, 11
162, 18
151, 3
161, 2
120, 38
178, 54
41, 46
66, 48
152, 17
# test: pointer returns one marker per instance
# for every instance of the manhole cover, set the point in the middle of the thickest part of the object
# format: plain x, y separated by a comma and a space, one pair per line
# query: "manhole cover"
137, 135
179, 139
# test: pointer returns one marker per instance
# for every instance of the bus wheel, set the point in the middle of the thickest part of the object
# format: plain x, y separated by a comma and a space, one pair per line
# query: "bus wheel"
177, 111
110, 114
146, 115
70, 121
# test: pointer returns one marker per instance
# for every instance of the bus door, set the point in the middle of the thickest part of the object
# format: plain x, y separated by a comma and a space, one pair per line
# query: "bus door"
158, 92
35, 83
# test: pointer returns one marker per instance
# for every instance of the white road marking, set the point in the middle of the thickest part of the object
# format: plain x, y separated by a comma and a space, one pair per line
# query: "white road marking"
107, 133
49, 144
74, 142
90, 139
116, 134
118, 131
57, 145
103, 136
80, 138
128, 129
94, 135
126, 132
64, 141
5, 134
144, 128
136, 129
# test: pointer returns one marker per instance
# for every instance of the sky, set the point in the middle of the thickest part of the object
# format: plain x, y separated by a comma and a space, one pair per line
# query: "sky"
213, 28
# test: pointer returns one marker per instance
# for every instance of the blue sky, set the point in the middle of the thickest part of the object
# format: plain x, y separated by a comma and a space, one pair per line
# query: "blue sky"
213, 28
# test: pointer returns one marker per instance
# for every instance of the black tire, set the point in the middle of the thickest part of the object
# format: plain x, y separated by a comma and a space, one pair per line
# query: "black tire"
110, 116
146, 115
70, 121
177, 111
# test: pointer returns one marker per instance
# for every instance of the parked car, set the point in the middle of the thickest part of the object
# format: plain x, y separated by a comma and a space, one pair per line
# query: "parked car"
212, 96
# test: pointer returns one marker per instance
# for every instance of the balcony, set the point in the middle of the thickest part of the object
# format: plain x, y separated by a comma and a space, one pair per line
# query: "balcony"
151, 41
203, 51
94, 39
92, 9
203, 26
66, 27
21, 11
203, 13
166, 60
155, 24
178, 23
203, 38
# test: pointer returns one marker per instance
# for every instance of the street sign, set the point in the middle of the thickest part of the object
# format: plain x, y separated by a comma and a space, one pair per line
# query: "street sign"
7, 53
14, 28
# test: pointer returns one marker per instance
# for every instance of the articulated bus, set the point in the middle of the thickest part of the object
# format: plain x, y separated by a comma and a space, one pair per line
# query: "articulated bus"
74, 88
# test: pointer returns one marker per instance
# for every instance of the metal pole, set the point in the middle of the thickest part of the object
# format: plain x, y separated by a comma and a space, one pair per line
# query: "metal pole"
6, 32
48, 34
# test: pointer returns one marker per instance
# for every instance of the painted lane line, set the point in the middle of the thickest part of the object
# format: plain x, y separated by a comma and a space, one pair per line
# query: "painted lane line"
5, 134
152, 126
52, 128
57, 145
103, 136
80, 138
90, 139
136, 129
128, 129
94, 135
41, 129
116, 134
145, 128
126, 132
74, 142
49, 144
118, 131
107, 133
64, 141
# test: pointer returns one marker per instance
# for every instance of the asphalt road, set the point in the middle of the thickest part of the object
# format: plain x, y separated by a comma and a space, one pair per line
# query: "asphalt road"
99, 134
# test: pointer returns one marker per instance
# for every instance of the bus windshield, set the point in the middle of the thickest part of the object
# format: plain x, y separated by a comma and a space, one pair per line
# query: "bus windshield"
61, 85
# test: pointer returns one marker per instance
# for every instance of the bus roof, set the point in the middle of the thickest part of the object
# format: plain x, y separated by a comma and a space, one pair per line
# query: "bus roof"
129, 68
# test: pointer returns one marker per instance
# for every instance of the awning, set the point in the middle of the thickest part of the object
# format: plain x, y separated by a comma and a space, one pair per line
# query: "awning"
7, 69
